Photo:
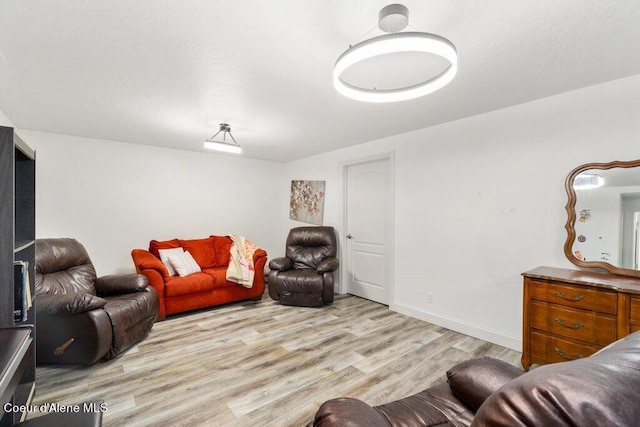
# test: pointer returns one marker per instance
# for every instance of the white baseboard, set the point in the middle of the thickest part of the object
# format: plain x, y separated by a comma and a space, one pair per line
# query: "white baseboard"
464, 328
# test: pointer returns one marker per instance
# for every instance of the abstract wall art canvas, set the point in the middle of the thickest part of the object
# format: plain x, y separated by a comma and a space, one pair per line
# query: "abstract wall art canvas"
307, 201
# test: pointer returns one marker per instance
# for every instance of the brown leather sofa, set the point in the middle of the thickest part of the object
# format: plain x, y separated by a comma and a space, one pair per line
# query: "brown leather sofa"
601, 390
82, 318
304, 276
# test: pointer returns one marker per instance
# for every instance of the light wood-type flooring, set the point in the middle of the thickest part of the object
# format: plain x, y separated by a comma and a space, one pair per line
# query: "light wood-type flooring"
264, 364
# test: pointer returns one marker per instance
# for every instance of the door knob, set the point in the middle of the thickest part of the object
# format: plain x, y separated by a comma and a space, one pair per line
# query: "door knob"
349, 236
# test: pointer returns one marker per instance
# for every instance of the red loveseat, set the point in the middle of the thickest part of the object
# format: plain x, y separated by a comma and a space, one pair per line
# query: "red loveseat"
198, 290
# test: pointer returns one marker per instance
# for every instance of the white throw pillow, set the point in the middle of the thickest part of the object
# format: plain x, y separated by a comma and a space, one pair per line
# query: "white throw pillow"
164, 257
184, 263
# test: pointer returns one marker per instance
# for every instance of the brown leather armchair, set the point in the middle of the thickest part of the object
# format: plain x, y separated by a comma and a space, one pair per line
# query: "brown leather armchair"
82, 318
304, 276
600, 390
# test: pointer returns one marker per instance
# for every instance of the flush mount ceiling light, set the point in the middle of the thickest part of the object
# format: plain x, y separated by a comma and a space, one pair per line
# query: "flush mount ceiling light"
392, 19
588, 181
223, 145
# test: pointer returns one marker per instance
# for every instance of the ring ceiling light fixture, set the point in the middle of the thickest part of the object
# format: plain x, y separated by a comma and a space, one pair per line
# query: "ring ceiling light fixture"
223, 145
392, 19
588, 181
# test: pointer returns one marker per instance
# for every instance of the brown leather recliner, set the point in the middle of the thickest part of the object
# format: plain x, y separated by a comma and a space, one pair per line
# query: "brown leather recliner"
601, 390
82, 318
304, 276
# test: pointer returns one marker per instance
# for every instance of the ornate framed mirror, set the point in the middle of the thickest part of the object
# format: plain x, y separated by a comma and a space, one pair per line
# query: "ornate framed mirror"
603, 217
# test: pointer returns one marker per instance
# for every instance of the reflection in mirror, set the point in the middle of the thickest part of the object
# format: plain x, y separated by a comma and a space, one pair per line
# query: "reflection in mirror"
587, 181
630, 257
603, 225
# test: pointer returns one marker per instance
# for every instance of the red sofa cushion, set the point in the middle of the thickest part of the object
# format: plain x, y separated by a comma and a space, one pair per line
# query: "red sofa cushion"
222, 246
156, 245
219, 275
192, 284
202, 250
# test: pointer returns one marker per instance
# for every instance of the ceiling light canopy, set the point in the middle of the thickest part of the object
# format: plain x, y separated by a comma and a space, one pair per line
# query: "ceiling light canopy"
394, 18
223, 145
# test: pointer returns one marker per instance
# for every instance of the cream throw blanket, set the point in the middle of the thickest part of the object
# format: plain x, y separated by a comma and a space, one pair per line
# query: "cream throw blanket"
241, 269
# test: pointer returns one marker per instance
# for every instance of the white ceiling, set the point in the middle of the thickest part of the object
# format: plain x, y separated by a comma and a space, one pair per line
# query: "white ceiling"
166, 72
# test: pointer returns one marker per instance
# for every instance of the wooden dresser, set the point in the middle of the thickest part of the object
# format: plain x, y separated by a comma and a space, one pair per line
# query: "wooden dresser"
569, 314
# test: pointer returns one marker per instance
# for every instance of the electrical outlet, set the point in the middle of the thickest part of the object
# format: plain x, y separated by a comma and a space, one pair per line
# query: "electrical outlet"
429, 298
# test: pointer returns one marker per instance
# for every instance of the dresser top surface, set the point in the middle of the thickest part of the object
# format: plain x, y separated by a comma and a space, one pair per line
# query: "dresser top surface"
577, 277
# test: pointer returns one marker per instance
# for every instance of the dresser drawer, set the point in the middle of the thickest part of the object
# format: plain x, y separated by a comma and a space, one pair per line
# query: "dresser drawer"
574, 296
583, 325
549, 349
634, 316
570, 313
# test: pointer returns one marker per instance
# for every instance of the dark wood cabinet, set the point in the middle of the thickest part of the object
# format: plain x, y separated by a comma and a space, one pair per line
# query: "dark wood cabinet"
569, 314
17, 243
16, 354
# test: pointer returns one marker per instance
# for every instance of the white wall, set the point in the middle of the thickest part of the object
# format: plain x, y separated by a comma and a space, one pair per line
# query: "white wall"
480, 200
114, 197
477, 201
5, 120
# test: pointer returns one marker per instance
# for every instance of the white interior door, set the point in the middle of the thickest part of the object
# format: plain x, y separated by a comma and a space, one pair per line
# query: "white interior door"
636, 244
367, 230
629, 241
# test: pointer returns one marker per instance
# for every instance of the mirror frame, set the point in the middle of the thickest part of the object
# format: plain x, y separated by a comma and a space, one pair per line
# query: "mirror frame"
571, 218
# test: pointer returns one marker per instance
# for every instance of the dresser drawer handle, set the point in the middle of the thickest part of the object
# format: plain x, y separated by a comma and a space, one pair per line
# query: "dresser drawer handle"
575, 326
563, 355
576, 298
